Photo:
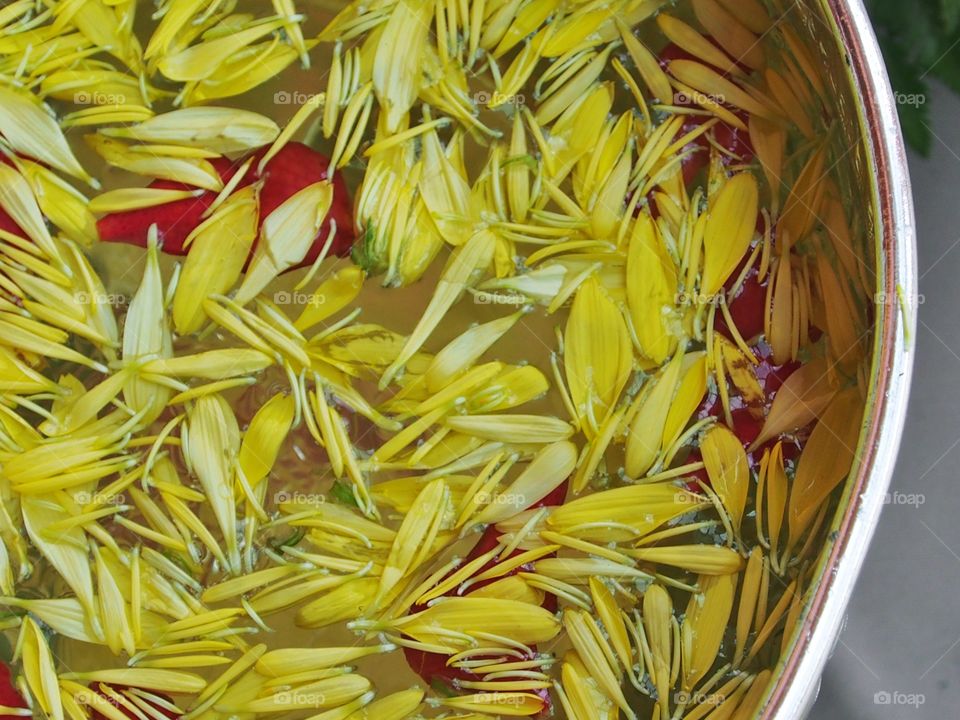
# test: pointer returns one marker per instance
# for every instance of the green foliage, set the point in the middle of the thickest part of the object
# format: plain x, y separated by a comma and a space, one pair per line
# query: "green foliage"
343, 494
920, 40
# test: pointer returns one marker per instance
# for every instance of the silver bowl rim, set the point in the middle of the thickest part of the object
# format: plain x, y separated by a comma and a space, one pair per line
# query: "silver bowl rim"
798, 678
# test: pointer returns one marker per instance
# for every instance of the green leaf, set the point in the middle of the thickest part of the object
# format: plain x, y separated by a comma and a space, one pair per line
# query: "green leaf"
916, 128
950, 15
910, 92
442, 688
366, 255
6, 650
290, 540
920, 40
343, 494
947, 70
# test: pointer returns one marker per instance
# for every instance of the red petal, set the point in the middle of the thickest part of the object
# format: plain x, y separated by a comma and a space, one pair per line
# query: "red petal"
432, 667
174, 220
730, 138
295, 167
8, 225
6, 222
9, 697
747, 308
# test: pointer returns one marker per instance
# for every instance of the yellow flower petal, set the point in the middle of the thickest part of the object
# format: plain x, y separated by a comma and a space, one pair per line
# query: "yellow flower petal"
31, 131
548, 469
825, 459
333, 294
40, 669
201, 61
219, 248
651, 289
732, 217
264, 437
597, 352
218, 129
586, 517
213, 447
474, 256
519, 428
800, 400
395, 706
728, 469
285, 237
704, 625
396, 65
647, 429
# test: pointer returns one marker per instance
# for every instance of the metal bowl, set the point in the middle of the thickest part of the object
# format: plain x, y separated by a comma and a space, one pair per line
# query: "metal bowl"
839, 31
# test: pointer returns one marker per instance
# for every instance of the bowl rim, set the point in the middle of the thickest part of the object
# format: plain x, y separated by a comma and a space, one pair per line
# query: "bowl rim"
797, 679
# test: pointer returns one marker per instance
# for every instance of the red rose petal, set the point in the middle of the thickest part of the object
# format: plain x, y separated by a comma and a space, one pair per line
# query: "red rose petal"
432, 667
747, 307
174, 220
732, 139
7, 223
9, 695
293, 168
